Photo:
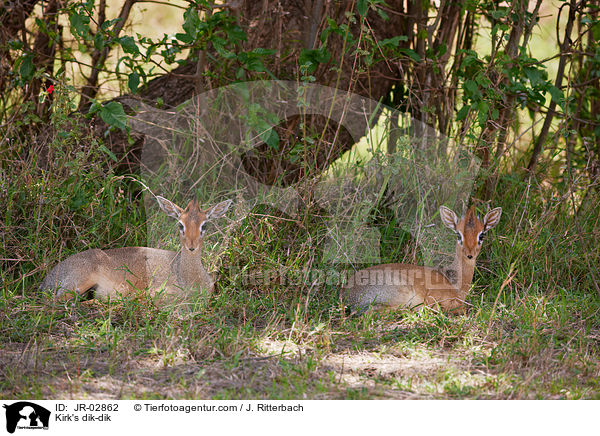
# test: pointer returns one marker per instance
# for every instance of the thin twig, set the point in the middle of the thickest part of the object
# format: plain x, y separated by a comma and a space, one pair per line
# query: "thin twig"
564, 49
90, 90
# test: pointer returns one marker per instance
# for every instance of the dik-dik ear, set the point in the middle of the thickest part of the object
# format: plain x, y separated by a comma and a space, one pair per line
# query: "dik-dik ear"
448, 217
169, 207
218, 210
492, 218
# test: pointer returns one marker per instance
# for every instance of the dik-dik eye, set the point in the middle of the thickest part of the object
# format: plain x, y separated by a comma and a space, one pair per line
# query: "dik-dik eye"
181, 227
480, 238
459, 238
202, 229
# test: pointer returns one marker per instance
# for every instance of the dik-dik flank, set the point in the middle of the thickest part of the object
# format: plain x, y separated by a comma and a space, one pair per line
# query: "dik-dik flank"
395, 285
120, 271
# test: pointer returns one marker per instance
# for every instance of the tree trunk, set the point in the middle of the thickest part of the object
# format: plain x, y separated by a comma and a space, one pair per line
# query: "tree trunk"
291, 26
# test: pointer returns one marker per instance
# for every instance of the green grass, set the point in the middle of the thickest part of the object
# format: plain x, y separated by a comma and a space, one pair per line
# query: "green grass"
532, 329
271, 343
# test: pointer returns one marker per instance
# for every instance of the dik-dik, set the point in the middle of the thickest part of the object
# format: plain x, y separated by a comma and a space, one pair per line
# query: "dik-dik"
120, 271
393, 285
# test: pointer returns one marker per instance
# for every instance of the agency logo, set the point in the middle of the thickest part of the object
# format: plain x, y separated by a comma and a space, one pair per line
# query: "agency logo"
26, 415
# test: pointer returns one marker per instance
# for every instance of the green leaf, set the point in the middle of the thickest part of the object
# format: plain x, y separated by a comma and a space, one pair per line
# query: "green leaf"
271, 138
236, 34
383, 14
535, 75
192, 22
469, 61
133, 82
311, 58
98, 41
94, 107
556, 94
80, 23
482, 114
109, 23
184, 37
471, 86
411, 54
108, 152
129, 45
362, 7
332, 27
220, 45
496, 15
27, 69
393, 42
483, 107
252, 62
596, 31
113, 114
462, 113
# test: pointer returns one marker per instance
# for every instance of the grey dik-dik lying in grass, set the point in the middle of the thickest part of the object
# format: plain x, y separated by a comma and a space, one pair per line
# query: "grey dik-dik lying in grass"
120, 271
395, 285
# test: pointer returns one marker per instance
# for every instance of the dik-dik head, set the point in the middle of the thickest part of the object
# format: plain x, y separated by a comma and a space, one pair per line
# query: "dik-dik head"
470, 230
191, 220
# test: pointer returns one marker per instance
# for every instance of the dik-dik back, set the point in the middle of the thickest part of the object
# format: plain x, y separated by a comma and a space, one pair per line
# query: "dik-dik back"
120, 271
395, 285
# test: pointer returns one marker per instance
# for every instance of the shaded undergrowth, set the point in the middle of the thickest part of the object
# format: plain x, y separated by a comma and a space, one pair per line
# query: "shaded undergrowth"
532, 329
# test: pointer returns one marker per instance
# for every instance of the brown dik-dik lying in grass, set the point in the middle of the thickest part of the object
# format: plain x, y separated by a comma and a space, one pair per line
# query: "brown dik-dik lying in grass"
120, 271
395, 285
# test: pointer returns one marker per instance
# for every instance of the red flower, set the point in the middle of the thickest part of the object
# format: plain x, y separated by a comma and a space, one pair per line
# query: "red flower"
50, 89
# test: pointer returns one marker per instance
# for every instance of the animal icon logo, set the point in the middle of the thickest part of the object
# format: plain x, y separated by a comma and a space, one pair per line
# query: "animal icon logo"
25, 414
